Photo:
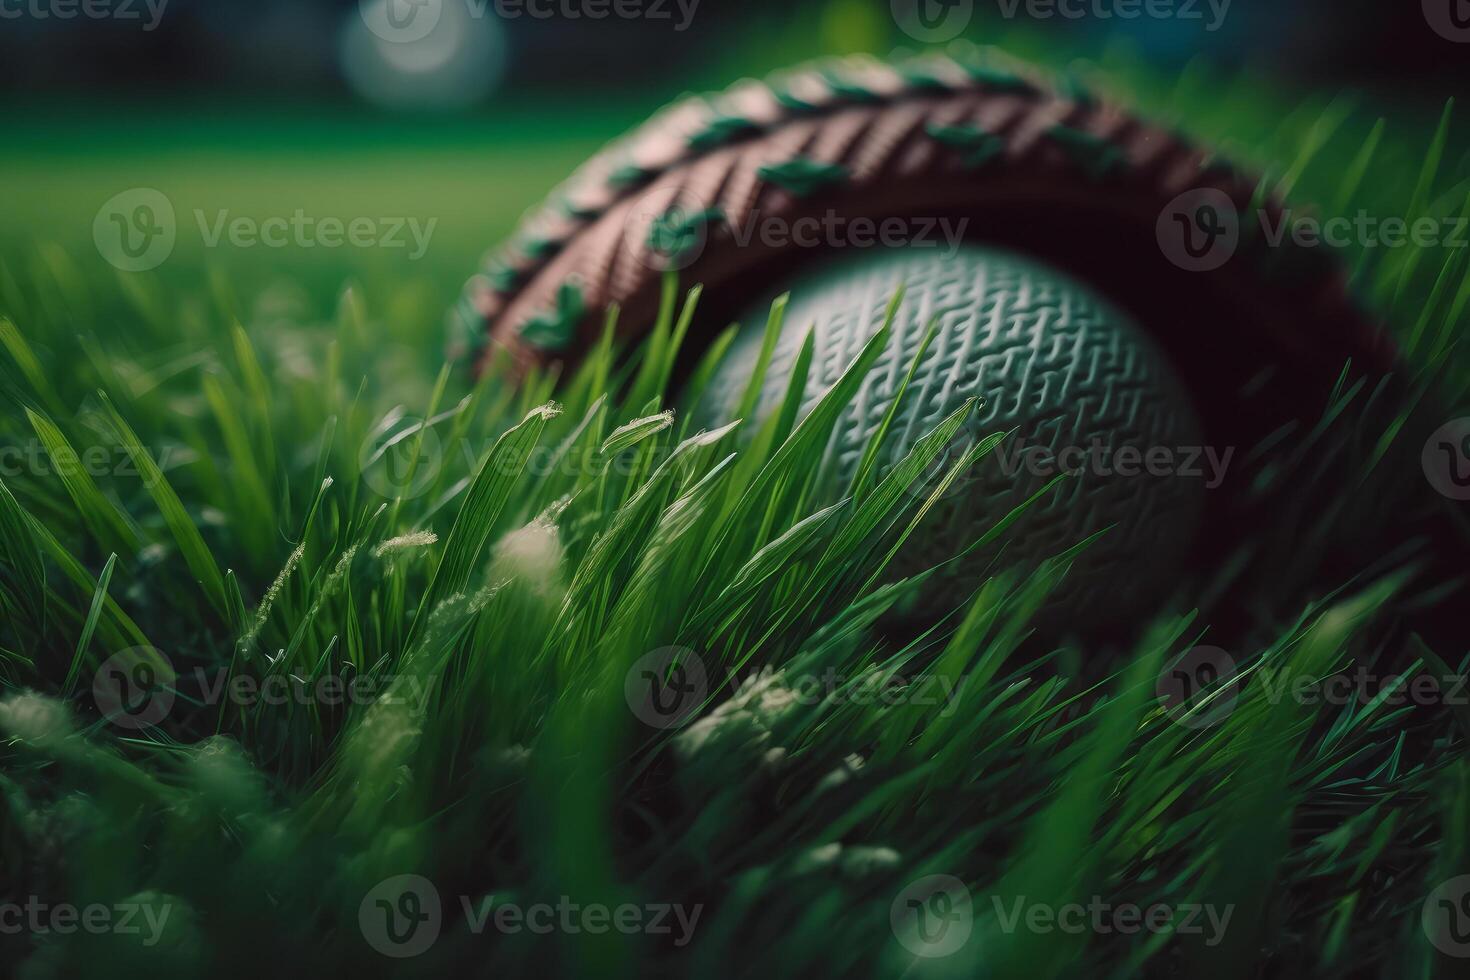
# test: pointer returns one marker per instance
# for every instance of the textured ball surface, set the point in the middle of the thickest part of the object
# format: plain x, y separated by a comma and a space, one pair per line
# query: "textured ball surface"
1053, 361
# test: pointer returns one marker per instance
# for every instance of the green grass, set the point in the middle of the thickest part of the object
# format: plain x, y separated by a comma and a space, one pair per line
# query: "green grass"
202, 491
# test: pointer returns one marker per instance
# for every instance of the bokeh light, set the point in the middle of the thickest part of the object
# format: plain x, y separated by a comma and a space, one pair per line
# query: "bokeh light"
423, 54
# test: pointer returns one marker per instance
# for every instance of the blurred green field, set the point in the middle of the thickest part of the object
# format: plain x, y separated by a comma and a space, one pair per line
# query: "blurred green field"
471, 176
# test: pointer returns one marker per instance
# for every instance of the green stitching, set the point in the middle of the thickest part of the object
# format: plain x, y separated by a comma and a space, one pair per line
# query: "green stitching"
849, 91
555, 329
502, 276
540, 248
802, 177
629, 175
572, 210
1075, 90
675, 231
1094, 154
922, 79
793, 104
722, 130
998, 78
976, 146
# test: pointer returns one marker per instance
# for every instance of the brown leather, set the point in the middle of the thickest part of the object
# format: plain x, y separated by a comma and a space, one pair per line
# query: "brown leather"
877, 121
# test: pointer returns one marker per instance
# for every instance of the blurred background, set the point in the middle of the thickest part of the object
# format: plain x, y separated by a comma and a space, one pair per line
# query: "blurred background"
458, 115
486, 51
